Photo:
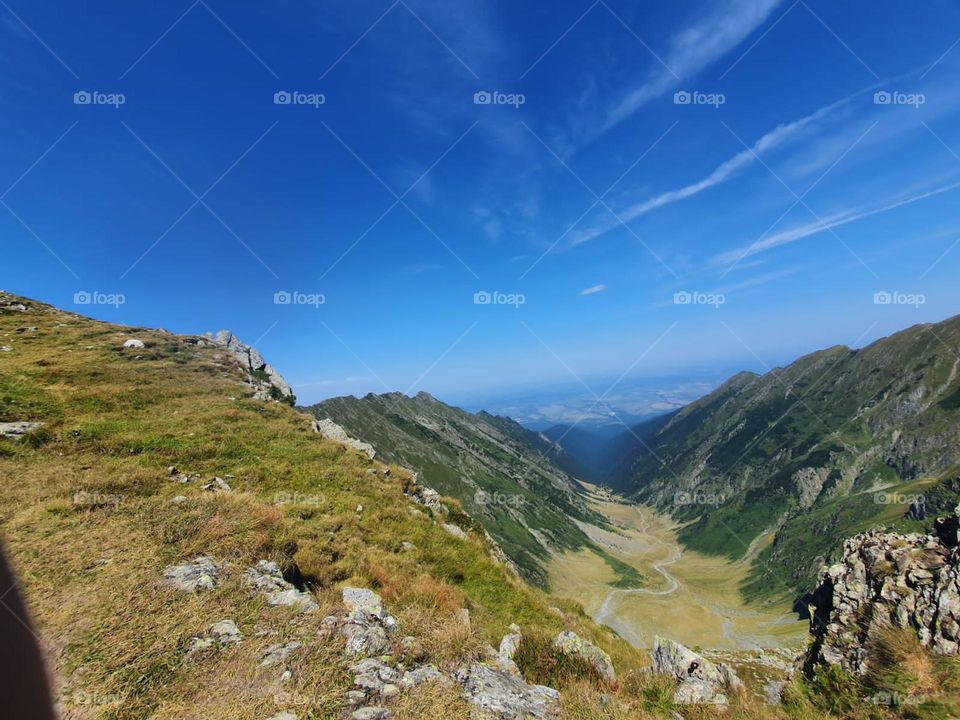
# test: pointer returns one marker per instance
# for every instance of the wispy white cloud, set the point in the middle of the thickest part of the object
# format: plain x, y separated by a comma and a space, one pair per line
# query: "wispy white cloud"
835, 220
694, 48
723, 172
593, 290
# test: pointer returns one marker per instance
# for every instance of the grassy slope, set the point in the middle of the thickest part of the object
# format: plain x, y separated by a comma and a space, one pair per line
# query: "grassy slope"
115, 634
457, 452
836, 409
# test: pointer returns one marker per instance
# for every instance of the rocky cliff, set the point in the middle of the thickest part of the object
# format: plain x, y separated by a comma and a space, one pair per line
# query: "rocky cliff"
888, 580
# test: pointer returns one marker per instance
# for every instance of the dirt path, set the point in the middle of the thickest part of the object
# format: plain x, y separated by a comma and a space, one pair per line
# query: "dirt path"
688, 597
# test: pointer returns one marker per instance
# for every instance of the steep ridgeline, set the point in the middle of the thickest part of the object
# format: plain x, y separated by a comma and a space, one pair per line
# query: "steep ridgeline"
506, 477
835, 443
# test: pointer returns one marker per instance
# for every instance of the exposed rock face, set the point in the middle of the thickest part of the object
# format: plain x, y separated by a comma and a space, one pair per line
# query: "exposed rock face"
701, 682
502, 695
268, 579
268, 384
887, 580
330, 430
809, 482
198, 574
569, 643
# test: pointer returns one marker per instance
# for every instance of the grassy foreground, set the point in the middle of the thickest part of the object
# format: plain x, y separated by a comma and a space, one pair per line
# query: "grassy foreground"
116, 637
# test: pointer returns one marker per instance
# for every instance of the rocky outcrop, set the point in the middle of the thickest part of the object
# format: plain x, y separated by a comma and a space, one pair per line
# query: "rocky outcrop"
569, 643
267, 578
267, 383
330, 430
701, 681
887, 580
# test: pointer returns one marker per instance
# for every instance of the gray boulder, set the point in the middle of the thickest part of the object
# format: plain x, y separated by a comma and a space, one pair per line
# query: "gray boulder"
198, 574
226, 632
569, 643
504, 696
701, 681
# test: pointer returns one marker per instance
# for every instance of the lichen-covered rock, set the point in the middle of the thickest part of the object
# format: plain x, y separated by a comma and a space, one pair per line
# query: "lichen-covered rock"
504, 696
421, 675
331, 431
569, 643
886, 580
268, 579
198, 574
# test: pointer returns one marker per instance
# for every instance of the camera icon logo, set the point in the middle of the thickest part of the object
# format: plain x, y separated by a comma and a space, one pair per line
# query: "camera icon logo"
82, 98
282, 298
882, 298
682, 298
82, 298
282, 98
482, 98
682, 97
882, 97
482, 298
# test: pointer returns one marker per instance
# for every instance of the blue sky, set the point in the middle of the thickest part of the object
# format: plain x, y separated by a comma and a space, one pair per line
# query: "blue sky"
621, 231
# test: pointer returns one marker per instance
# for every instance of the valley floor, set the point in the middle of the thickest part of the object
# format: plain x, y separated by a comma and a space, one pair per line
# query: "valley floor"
688, 597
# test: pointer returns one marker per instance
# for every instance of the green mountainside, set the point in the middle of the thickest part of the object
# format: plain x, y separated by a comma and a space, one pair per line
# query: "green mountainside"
784, 465
506, 477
